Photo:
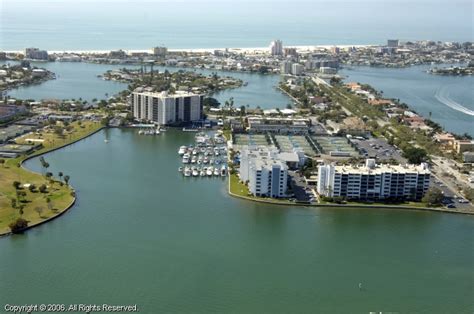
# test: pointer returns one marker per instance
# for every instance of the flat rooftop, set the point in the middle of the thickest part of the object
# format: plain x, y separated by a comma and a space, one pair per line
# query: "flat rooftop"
379, 169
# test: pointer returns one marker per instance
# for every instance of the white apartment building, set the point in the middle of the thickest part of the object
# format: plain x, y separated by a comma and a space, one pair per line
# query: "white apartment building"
163, 108
276, 48
285, 67
264, 172
297, 69
374, 182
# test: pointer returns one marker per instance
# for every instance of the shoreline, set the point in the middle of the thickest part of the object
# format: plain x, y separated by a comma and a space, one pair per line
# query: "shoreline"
199, 50
71, 204
401, 207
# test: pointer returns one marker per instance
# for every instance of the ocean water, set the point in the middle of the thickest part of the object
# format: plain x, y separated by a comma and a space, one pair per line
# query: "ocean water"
142, 24
448, 100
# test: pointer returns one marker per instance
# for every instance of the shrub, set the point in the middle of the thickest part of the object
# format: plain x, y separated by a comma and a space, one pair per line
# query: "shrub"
18, 225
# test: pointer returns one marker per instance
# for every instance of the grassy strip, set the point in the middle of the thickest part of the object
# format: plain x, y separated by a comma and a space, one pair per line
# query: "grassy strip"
34, 204
238, 189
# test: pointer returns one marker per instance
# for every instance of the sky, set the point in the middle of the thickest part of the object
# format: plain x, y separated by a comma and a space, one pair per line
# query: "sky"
110, 24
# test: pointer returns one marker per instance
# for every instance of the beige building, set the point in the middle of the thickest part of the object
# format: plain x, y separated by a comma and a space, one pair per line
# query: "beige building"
461, 146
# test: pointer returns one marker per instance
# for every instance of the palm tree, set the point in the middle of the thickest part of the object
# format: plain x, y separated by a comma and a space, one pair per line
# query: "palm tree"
66, 179
60, 174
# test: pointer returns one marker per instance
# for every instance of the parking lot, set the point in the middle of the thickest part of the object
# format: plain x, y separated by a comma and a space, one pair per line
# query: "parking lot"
451, 199
378, 149
300, 189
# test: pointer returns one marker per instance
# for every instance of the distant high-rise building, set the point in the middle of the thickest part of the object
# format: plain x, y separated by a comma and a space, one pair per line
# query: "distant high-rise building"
290, 52
393, 43
335, 50
276, 48
297, 69
36, 54
164, 109
117, 54
285, 67
160, 51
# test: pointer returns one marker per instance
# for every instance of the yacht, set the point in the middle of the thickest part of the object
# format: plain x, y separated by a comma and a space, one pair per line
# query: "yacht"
195, 172
182, 150
187, 172
216, 171
202, 173
186, 159
209, 171
223, 171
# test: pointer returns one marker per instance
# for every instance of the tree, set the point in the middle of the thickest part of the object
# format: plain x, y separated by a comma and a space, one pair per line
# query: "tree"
13, 200
16, 184
2, 162
415, 155
18, 225
43, 188
60, 175
434, 196
49, 203
39, 210
32, 188
66, 179
211, 102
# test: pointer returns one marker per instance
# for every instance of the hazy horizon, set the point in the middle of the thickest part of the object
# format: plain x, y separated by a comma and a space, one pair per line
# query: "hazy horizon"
61, 25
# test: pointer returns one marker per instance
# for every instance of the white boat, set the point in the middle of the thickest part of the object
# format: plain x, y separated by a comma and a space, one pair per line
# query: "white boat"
195, 172
157, 131
141, 132
209, 171
186, 159
223, 171
182, 150
193, 160
206, 160
187, 172
202, 173
216, 171
180, 169
106, 141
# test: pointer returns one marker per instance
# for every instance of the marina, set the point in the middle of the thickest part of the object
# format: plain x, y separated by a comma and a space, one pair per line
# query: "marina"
207, 157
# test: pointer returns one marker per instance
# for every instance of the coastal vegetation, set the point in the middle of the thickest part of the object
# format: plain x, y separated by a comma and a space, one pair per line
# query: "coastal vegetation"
28, 198
12, 76
173, 81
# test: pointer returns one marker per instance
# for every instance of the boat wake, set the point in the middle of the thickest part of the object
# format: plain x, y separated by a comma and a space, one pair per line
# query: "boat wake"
442, 96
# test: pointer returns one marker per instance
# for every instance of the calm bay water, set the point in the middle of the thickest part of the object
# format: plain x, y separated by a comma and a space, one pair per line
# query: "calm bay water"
142, 24
449, 99
79, 80
130, 240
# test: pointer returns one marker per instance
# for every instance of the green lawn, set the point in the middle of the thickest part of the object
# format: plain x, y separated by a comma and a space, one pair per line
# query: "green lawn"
237, 187
60, 195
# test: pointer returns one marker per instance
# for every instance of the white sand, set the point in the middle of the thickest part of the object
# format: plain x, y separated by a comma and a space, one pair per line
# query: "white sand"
259, 50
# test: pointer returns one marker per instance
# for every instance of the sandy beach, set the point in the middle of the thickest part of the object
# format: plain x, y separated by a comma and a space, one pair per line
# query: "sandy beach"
248, 50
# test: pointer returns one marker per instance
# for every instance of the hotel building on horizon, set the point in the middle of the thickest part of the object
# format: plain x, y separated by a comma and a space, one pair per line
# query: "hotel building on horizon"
374, 182
164, 108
